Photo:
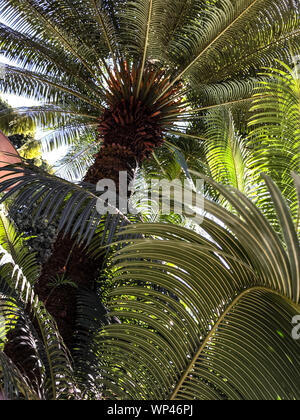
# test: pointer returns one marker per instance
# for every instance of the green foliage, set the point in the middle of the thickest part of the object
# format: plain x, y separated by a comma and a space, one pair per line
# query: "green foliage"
55, 372
219, 339
46, 197
202, 313
62, 280
65, 48
16, 246
176, 330
78, 159
275, 131
226, 151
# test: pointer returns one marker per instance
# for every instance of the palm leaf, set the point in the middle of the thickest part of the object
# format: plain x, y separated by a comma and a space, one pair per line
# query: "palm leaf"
15, 386
58, 366
226, 151
75, 205
16, 246
170, 32
227, 334
44, 87
275, 130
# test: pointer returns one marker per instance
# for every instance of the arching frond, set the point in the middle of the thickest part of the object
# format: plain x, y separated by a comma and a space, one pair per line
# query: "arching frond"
135, 74
75, 205
275, 130
226, 29
198, 42
230, 93
226, 151
67, 135
109, 32
40, 87
16, 246
39, 56
43, 24
18, 120
57, 365
13, 385
76, 162
220, 336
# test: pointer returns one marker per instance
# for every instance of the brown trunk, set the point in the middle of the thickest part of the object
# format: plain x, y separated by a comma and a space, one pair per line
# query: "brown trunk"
71, 260
109, 162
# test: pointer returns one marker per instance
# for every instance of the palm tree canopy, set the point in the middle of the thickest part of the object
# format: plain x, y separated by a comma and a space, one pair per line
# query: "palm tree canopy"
75, 56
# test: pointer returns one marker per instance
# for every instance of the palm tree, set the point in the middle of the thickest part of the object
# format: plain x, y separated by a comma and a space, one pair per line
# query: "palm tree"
133, 74
185, 331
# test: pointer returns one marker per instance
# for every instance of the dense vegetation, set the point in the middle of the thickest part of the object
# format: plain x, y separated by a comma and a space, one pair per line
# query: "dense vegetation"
198, 305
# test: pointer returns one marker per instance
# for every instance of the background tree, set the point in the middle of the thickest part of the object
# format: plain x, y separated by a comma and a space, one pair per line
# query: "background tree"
18, 139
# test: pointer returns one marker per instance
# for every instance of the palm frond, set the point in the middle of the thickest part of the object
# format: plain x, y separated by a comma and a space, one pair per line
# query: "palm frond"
227, 93
226, 151
75, 205
39, 56
13, 385
58, 366
67, 135
275, 130
45, 25
35, 85
92, 316
278, 48
76, 162
24, 119
65, 48
135, 74
109, 33
225, 24
226, 335
16, 246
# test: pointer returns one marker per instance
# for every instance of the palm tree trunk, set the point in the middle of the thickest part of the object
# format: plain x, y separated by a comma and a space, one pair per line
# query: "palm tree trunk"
70, 259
